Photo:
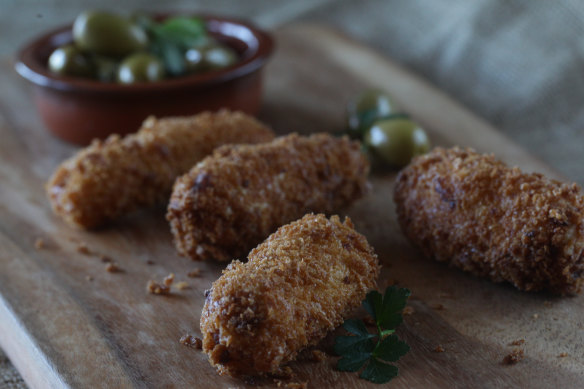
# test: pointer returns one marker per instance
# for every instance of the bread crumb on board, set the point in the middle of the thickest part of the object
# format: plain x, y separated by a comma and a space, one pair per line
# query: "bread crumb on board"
518, 342
194, 273
105, 258
408, 310
563, 355
39, 244
169, 279
88, 278
182, 285
163, 288
112, 267
156, 288
514, 357
82, 248
318, 356
191, 341
439, 349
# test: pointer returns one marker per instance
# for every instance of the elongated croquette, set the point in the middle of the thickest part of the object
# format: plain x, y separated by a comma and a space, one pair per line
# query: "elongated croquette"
475, 213
111, 178
299, 284
232, 200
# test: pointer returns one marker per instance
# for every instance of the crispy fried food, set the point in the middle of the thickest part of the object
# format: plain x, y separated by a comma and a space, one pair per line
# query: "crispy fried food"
481, 216
302, 282
232, 200
111, 178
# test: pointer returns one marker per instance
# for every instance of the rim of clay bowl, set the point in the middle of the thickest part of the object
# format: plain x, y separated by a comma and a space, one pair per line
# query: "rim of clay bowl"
31, 61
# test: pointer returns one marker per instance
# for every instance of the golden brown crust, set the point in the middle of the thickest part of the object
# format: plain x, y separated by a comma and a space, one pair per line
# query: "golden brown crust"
479, 215
296, 286
108, 179
232, 200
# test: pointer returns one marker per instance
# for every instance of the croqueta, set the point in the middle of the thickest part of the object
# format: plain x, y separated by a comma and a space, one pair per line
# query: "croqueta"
231, 201
477, 214
299, 284
111, 178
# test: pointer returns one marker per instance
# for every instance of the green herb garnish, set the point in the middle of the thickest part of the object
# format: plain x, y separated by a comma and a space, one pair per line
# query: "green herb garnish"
172, 37
373, 350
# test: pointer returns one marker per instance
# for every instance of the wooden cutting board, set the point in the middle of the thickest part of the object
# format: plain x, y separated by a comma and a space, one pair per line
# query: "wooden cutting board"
66, 322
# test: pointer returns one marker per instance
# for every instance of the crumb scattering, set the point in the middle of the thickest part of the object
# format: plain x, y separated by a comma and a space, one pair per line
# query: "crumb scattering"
169, 279
156, 288
535, 315
192, 341
318, 356
39, 244
563, 355
105, 258
182, 285
82, 248
514, 357
88, 278
439, 349
149, 262
408, 310
194, 273
518, 342
112, 267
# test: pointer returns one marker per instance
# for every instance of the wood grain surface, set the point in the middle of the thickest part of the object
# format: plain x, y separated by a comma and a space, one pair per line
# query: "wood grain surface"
67, 322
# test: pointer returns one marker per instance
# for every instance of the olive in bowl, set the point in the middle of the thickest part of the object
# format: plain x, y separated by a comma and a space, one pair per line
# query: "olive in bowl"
79, 109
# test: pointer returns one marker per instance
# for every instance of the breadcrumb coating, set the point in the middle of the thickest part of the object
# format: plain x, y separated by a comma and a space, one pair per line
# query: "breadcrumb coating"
302, 282
232, 200
486, 218
111, 178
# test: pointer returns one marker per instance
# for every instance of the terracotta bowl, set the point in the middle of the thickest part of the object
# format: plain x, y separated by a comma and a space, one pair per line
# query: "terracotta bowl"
79, 110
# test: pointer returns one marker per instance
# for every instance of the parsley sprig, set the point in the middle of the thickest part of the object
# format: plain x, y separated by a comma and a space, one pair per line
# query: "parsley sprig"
373, 350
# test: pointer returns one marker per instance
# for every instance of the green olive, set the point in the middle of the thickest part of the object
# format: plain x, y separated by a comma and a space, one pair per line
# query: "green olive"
365, 108
209, 57
396, 141
105, 33
220, 57
140, 67
70, 61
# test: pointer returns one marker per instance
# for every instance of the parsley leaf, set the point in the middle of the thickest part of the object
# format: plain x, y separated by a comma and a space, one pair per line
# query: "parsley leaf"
173, 36
373, 350
353, 363
355, 326
379, 372
392, 349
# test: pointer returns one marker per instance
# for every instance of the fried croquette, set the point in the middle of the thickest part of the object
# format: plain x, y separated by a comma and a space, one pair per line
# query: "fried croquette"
299, 284
232, 200
486, 218
111, 178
